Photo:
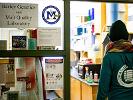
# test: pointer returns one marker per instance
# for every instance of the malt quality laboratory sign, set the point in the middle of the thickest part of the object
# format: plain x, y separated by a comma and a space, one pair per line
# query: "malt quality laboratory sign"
18, 15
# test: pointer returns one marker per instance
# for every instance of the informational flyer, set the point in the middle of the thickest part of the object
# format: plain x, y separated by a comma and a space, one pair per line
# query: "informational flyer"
2, 72
49, 36
7, 70
54, 73
10, 75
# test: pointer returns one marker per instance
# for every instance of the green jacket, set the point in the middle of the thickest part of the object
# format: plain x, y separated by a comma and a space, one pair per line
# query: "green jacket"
116, 76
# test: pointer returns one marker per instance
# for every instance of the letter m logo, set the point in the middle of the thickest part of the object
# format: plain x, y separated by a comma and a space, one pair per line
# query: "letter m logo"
51, 14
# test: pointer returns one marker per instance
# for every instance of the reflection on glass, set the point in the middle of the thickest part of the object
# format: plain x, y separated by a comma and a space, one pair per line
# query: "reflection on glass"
32, 78
90, 25
47, 16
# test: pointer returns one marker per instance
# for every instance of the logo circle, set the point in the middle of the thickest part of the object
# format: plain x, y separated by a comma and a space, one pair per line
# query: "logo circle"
124, 76
51, 14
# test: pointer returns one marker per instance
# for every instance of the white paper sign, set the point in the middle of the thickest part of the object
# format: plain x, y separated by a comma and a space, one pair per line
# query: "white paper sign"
54, 73
18, 15
49, 36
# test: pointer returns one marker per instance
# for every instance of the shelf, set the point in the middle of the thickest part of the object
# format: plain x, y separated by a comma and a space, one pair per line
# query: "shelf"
31, 53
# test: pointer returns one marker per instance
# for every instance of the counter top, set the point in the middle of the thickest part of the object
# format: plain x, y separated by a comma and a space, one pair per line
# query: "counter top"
74, 74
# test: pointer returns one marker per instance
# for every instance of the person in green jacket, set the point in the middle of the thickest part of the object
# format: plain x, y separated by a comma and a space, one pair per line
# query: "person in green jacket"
116, 76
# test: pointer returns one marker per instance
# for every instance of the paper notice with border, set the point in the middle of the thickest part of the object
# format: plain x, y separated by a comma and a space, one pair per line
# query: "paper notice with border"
49, 36
54, 73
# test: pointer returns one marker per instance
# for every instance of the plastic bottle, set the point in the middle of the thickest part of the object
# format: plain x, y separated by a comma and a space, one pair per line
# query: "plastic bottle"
91, 76
86, 73
90, 79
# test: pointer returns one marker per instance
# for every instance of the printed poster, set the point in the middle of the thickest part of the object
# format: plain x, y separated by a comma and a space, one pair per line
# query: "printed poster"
26, 75
54, 73
19, 42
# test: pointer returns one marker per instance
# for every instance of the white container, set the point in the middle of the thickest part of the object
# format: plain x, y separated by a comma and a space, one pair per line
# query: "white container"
95, 77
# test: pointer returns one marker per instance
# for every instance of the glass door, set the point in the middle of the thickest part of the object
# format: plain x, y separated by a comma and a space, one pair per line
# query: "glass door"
36, 33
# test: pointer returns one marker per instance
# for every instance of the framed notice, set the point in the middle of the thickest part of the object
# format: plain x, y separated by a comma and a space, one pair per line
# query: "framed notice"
49, 36
54, 73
